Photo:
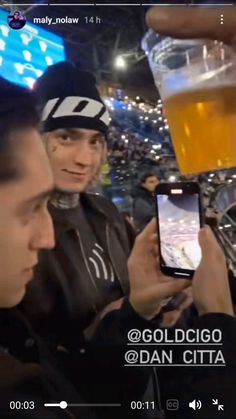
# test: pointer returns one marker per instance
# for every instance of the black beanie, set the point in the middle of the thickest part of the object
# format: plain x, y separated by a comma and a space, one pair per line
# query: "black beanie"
69, 99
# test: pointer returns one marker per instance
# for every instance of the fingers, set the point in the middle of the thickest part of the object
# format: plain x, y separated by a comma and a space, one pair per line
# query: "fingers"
194, 22
149, 230
203, 241
169, 288
146, 241
209, 245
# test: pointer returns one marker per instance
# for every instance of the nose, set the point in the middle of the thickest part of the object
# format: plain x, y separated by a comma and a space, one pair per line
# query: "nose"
83, 153
43, 237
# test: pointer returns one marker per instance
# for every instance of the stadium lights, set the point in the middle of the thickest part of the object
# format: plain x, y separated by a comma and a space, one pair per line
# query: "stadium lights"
5, 30
49, 60
120, 63
2, 45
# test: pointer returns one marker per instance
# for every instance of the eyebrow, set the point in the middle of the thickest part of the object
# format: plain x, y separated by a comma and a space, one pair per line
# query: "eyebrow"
77, 132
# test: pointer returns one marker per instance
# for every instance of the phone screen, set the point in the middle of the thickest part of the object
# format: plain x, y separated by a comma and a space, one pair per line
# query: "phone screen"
179, 224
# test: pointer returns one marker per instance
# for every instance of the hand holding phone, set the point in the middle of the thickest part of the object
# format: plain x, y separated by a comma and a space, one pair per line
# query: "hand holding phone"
179, 219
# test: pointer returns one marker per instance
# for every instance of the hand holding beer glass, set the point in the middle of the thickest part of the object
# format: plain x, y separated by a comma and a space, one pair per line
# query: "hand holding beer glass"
197, 82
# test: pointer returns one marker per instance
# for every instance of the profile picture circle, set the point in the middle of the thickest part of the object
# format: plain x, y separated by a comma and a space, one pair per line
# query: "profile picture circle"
16, 20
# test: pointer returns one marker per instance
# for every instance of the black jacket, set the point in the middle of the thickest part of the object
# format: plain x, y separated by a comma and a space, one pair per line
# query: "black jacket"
29, 375
61, 297
29, 372
143, 207
60, 305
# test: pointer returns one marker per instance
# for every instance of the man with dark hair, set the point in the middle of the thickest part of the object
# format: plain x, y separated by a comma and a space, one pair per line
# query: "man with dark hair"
143, 200
26, 370
19, 139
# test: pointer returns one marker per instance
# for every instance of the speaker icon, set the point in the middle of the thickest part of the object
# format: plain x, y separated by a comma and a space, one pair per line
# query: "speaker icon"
195, 404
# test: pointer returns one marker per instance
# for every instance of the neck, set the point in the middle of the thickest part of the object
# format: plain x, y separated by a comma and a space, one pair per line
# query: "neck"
65, 200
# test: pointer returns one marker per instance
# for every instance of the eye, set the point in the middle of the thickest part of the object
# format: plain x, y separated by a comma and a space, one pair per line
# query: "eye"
65, 137
96, 141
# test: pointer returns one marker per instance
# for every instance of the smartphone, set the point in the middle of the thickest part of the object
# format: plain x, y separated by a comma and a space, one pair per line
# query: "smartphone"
179, 219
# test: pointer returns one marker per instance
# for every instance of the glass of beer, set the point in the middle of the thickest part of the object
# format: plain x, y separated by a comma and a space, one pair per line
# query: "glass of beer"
197, 83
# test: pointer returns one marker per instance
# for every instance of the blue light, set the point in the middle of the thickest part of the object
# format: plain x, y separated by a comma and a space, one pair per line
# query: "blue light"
117, 199
26, 53
119, 104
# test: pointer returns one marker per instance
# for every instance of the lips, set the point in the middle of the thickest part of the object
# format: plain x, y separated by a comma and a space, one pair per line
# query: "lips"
81, 174
31, 267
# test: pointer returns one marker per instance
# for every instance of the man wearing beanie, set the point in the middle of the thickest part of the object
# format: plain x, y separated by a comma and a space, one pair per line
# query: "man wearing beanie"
85, 276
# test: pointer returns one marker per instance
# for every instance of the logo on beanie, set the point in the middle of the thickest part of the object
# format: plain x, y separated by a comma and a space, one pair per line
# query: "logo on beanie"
75, 106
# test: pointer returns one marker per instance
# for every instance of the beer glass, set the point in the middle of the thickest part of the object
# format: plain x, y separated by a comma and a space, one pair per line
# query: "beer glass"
197, 83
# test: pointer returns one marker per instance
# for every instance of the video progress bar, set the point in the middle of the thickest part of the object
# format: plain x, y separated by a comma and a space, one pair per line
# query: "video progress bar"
64, 405
143, 4
118, 4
